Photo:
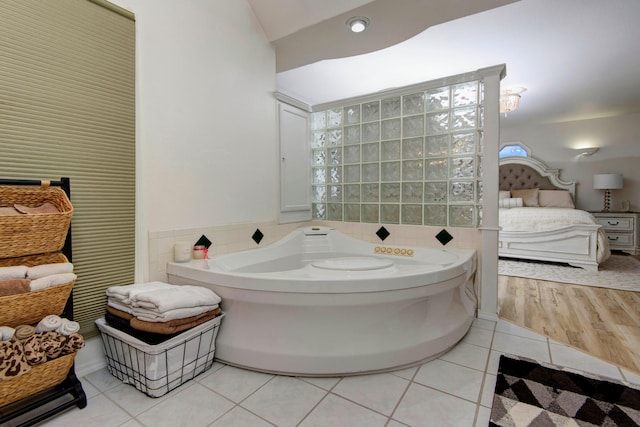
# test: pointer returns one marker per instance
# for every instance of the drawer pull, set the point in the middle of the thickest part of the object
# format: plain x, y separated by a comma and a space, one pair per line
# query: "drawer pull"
613, 223
613, 238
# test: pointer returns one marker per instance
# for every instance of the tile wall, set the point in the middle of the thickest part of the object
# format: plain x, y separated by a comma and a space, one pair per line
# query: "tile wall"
239, 237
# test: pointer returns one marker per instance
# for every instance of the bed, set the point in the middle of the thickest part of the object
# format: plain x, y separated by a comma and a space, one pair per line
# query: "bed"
538, 220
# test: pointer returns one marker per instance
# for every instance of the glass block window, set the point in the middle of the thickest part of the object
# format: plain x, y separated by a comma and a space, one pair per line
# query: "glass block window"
413, 158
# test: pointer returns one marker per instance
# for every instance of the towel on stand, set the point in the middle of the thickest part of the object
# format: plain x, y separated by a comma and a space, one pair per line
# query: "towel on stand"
43, 270
14, 286
33, 352
52, 280
24, 331
68, 327
49, 323
12, 360
6, 333
52, 343
13, 272
73, 343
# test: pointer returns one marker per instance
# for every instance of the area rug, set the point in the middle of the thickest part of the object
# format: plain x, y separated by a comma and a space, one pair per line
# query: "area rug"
617, 272
533, 394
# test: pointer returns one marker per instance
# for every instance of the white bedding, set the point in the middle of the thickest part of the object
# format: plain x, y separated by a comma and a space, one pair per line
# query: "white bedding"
543, 219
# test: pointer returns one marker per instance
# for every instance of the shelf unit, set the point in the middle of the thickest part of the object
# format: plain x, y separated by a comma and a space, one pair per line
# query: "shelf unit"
69, 392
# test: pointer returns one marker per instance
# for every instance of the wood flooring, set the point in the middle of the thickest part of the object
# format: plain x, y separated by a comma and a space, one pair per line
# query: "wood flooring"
602, 322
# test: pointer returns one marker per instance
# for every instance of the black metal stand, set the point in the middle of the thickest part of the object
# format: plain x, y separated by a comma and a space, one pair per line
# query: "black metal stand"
68, 393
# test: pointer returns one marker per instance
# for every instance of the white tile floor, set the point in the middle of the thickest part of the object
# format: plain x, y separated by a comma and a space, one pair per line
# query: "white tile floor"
453, 390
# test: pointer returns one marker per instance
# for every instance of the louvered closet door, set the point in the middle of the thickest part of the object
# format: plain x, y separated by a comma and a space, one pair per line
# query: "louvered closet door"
67, 108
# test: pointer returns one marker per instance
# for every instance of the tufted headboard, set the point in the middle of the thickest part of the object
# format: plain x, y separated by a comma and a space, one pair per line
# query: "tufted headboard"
517, 173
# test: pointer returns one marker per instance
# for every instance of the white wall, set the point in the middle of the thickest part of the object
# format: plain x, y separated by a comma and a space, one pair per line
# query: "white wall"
206, 117
619, 142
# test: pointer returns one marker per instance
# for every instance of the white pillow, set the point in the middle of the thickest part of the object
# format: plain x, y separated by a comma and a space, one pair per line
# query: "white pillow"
502, 194
509, 203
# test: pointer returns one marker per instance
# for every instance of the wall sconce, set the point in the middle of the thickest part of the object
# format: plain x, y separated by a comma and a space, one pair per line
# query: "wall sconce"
358, 24
607, 182
586, 151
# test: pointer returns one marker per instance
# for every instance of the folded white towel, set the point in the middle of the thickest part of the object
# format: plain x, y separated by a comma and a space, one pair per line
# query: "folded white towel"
6, 333
49, 323
53, 280
44, 270
179, 313
68, 327
186, 296
124, 293
119, 305
14, 272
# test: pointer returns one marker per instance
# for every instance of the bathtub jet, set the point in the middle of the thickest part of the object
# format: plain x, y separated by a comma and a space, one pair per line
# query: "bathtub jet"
320, 303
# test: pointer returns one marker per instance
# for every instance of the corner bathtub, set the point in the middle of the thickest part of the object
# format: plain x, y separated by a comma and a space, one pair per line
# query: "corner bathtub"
320, 303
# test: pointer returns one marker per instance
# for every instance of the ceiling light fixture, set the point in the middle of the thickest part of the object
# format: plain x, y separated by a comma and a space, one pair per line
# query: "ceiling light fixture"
510, 99
586, 151
358, 24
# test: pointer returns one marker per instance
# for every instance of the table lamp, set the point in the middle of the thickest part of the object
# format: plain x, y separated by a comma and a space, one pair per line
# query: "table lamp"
607, 182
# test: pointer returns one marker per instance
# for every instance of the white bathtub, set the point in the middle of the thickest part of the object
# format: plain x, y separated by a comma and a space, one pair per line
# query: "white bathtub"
320, 303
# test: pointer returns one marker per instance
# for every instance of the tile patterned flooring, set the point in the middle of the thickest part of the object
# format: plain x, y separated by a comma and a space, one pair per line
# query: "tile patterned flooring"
454, 390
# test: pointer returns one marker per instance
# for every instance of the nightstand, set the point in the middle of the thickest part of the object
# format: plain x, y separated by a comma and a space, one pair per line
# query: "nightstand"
622, 229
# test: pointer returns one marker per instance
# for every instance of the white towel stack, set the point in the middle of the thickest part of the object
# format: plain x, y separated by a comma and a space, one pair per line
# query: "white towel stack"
42, 276
162, 302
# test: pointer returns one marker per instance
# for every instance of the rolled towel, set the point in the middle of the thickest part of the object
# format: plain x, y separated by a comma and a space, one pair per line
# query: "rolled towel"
184, 296
14, 286
73, 343
12, 360
7, 333
53, 280
13, 272
52, 343
44, 270
33, 352
124, 293
68, 327
24, 331
49, 323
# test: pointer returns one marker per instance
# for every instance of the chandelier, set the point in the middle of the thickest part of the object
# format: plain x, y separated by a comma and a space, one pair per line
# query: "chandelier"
510, 99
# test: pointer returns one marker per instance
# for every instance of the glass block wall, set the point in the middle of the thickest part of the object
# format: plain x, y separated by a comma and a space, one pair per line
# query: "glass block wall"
413, 158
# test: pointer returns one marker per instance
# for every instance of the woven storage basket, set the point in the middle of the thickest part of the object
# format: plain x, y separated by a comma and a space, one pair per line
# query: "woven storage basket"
39, 378
31, 307
27, 234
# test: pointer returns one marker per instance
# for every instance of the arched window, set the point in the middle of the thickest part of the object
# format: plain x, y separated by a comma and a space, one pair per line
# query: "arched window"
514, 150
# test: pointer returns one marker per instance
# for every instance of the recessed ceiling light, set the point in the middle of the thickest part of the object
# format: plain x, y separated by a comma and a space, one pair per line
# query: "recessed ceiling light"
358, 24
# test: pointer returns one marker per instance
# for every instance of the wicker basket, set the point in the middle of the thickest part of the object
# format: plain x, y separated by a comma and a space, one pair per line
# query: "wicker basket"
28, 234
31, 307
39, 378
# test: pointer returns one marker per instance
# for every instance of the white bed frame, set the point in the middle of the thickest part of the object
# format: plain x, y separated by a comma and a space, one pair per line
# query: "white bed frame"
575, 245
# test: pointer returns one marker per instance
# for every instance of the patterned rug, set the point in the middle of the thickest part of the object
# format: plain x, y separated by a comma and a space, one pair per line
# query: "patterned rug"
617, 272
533, 394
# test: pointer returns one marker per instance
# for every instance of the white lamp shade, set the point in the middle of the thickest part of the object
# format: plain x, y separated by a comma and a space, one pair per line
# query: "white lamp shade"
607, 181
